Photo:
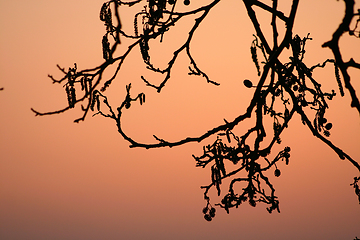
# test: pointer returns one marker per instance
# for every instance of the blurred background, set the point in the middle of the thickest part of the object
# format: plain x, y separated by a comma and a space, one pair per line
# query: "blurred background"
66, 180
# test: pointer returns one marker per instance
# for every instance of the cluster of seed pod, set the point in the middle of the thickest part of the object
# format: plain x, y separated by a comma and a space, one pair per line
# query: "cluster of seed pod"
156, 8
286, 155
322, 124
209, 213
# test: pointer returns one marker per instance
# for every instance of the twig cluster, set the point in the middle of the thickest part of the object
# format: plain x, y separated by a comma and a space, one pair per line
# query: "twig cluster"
282, 90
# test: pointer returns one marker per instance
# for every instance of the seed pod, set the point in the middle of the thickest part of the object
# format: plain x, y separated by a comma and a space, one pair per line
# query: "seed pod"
277, 173
248, 83
322, 121
205, 209
252, 202
328, 126
212, 212
207, 217
326, 133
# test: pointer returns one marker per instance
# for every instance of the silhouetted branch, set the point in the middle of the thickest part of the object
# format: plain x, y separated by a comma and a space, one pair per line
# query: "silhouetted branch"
333, 44
283, 90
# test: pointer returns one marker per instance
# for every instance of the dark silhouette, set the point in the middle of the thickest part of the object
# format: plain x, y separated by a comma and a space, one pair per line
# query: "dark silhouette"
289, 83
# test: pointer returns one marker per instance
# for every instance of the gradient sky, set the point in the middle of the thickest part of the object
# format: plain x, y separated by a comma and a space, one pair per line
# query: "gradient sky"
61, 180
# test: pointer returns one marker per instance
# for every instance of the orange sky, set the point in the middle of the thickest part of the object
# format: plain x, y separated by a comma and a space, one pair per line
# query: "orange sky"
61, 180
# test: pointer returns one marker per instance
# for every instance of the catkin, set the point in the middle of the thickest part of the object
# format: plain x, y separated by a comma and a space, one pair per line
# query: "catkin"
338, 79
